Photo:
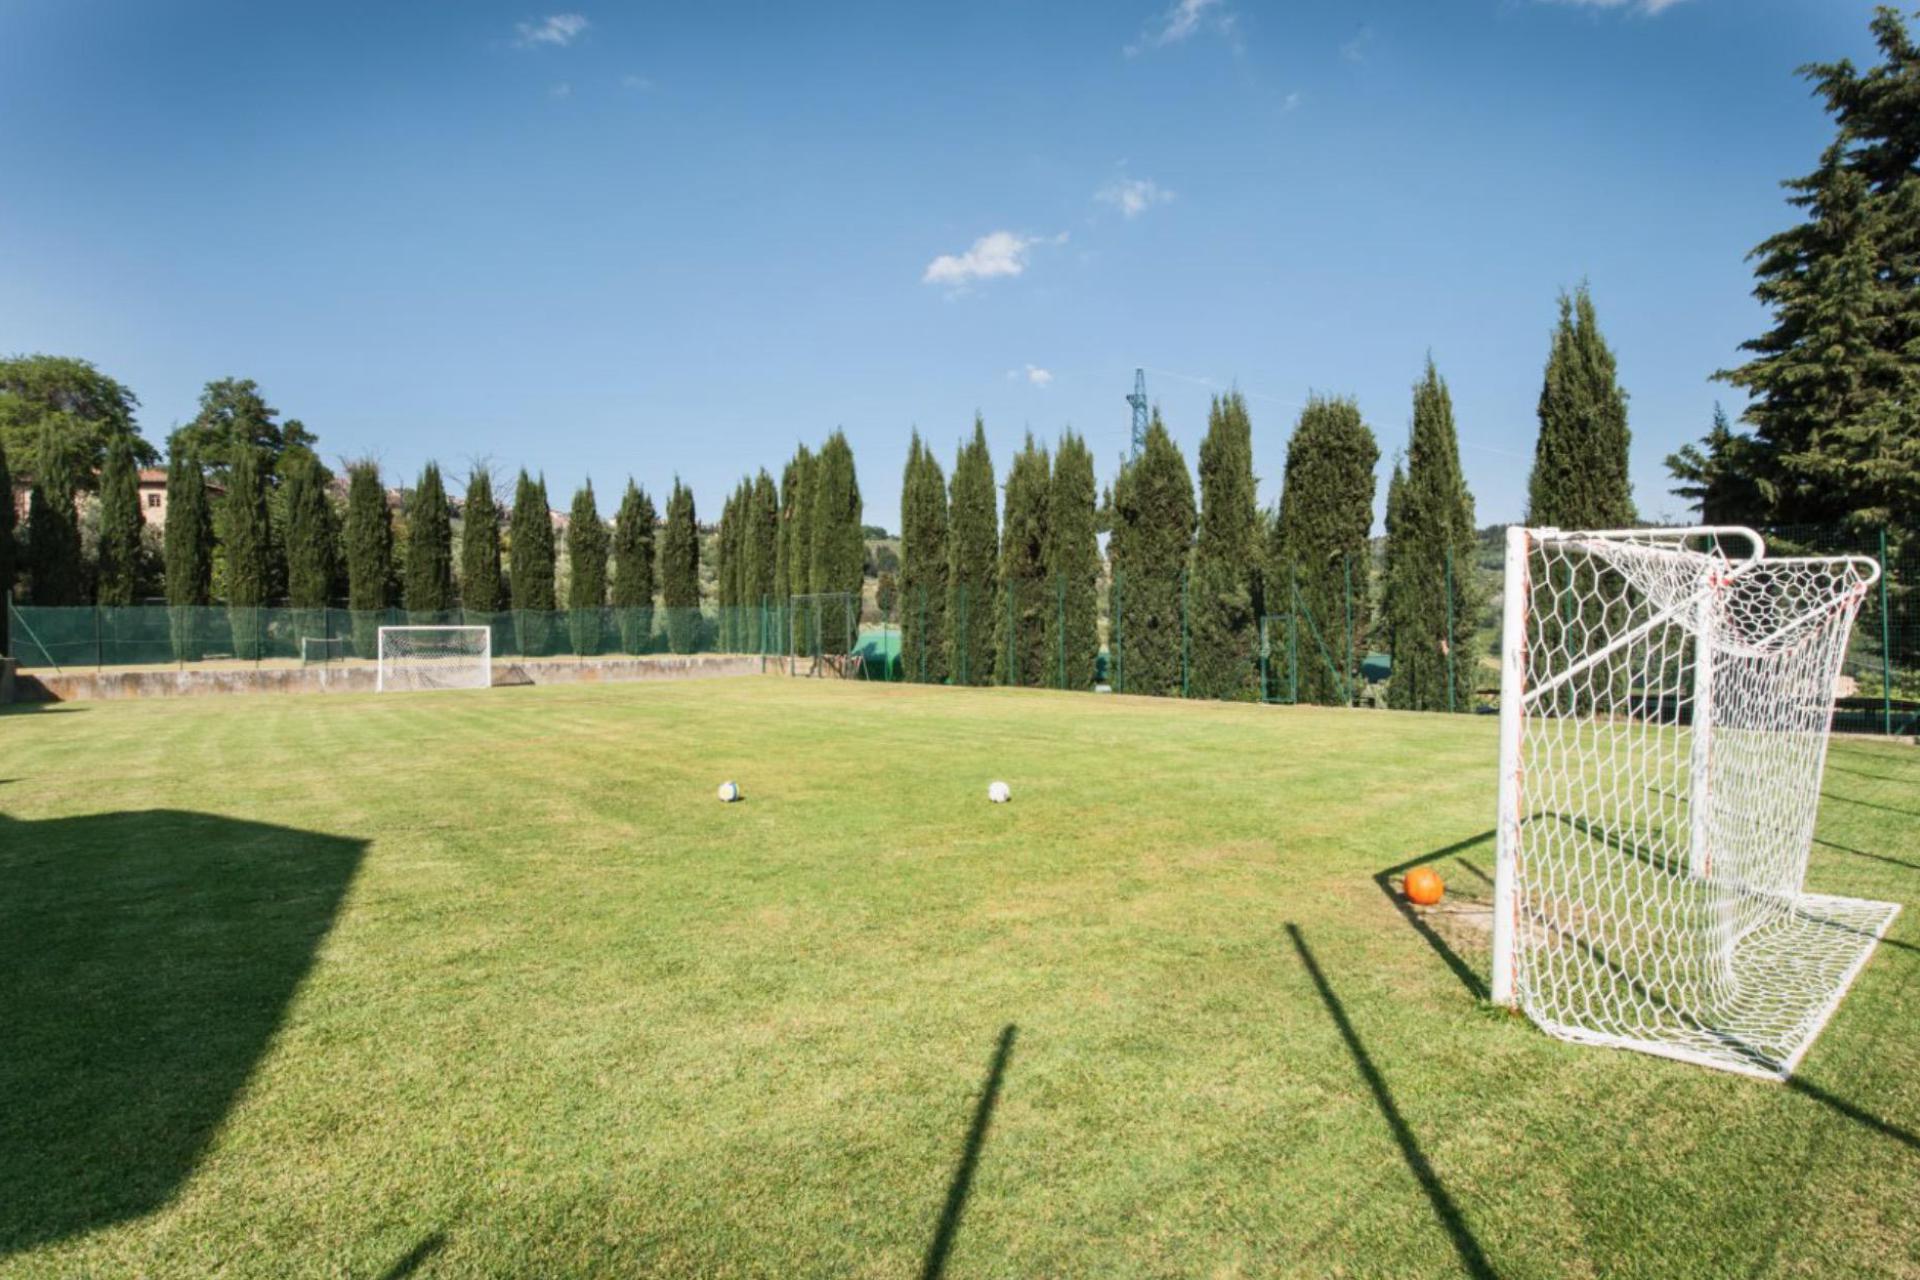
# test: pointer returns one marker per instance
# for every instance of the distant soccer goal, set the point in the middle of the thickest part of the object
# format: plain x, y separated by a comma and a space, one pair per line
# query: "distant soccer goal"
1664, 715
324, 649
435, 658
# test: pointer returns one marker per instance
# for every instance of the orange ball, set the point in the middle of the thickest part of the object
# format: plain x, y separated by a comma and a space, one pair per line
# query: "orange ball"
1424, 886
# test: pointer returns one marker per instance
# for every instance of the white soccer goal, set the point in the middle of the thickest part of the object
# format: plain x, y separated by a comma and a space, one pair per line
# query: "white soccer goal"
435, 658
322, 649
1665, 702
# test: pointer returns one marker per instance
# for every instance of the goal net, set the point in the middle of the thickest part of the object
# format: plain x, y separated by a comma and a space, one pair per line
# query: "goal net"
435, 658
1665, 702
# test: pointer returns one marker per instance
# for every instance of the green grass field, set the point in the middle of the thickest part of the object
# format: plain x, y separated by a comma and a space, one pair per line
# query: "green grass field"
488, 984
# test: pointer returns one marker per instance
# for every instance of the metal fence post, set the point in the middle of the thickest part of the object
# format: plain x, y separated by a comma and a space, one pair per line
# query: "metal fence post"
1886, 643
1347, 677
1293, 635
1449, 582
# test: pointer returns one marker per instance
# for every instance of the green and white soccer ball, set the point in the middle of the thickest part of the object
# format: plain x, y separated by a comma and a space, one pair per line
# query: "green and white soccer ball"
999, 792
729, 792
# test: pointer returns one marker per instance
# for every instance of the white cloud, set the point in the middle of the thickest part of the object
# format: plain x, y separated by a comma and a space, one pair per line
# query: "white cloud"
1133, 196
1291, 101
1355, 50
1039, 377
561, 90
1180, 22
640, 84
1651, 8
999, 253
558, 29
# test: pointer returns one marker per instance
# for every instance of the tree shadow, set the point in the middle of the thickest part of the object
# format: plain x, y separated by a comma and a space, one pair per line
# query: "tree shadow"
38, 708
146, 961
961, 1184
1468, 975
1855, 1113
421, 1252
1862, 773
1870, 804
1862, 853
1472, 1257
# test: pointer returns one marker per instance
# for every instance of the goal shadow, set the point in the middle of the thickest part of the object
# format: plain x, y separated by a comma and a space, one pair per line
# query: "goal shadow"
1446, 932
147, 959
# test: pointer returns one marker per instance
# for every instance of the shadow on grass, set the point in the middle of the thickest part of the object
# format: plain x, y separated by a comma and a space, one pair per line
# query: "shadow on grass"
1862, 773
1461, 969
1857, 1114
961, 1185
1472, 1258
421, 1252
1870, 804
38, 708
146, 961
1862, 853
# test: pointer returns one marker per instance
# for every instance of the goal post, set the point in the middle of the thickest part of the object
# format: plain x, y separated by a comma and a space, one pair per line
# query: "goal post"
414, 658
1665, 708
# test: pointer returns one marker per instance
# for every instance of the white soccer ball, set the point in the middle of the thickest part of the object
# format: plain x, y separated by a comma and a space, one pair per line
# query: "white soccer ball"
729, 792
999, 792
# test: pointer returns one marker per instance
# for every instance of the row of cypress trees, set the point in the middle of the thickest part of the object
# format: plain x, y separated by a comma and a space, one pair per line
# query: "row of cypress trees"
795, 552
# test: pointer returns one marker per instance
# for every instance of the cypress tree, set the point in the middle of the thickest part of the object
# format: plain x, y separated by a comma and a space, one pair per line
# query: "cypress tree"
1073, 568
923, 566
725, 569
1391, 587
839, 549
1579, 478
633, 569
1431, 600
530, 566
973, 543
120, 522
680, 570
1152, 540
8, 517
54, 560
369, 537
480, 550
762, 556
310, 540
188, 551
1321, 549
797, 546
248, 549
1020, 611
587, 583
1224, 593
429, 583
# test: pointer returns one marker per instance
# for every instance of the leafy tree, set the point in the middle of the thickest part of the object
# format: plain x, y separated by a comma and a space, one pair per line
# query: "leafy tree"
923, 566
188, 551
1720, 475
55, 568
633, 569
587, 585
1431, 599
762, 554
1579, 478
369, 537
680, 570
1073, 567
89, 409
973, 544
531, 574
120, 523
1020, 614
429, 581
8, 517
480, 547
796, 546
1152, 538
886, 594
1835, 382
1224, 600
234, 415
1320, 544
247, 549
838, 550
312, 534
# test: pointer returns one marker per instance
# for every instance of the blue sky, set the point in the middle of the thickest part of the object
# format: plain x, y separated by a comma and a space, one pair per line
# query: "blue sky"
660, 239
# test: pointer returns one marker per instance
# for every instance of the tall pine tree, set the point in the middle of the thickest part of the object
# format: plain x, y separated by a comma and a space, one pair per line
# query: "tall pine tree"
633, 570
120, 523
680, 570
1073, 568
973, 573
530, 573
54, 564
429, 583
1020, 613
1430, 600
1579, 478
480, 550
248, 549
309, 543
1321, 548
587, 579
1152, 538
369, 538
188, 551
839, 549
1224, 593
796, 548
923, 566
762, 556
